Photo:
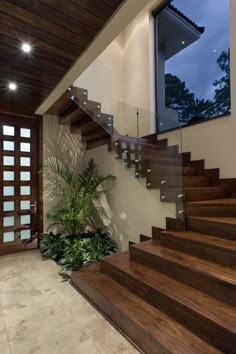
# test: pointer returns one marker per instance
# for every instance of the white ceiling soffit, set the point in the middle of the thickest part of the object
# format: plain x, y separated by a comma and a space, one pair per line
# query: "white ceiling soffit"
124, 15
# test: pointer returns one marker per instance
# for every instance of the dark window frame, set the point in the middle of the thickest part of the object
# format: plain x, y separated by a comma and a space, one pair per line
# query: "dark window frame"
155, 14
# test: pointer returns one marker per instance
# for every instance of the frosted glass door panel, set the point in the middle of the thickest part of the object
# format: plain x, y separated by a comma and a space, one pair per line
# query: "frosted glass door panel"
8, 160
8, 145
8, 191
8, 206
25, 147
7, 130
25, 133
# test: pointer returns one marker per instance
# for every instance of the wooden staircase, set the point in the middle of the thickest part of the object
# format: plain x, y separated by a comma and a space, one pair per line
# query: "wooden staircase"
174, 292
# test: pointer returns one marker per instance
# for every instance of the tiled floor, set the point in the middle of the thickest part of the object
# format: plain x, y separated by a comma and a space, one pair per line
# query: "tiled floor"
42, 314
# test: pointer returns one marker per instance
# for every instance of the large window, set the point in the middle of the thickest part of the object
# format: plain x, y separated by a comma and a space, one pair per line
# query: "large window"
193, 62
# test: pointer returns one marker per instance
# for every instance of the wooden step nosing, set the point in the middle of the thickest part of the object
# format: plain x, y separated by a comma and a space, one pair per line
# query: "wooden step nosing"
175, 296
202, 242
157, 342
195, 319
118, 313
189, 267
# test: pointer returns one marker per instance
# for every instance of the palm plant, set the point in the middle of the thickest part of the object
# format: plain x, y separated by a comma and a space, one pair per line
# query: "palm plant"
78, 194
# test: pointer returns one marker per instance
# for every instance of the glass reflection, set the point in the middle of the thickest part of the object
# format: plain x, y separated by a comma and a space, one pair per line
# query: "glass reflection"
193, 62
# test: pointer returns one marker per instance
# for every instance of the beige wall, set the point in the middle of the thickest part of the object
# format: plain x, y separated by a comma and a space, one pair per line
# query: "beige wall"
133, 209
120, 78
128, 216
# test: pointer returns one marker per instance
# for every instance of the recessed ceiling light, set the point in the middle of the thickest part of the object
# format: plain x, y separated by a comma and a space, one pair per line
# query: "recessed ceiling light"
26, 47
214, 50
12, 86
183, 42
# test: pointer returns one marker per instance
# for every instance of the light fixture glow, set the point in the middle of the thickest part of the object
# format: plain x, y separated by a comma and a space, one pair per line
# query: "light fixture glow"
183, 42
214, 50
26, 47
12, 86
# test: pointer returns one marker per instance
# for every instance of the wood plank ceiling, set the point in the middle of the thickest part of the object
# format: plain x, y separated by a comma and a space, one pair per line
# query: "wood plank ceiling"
58, 30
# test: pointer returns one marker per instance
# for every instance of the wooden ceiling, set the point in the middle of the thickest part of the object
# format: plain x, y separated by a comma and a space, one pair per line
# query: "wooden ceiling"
58, 30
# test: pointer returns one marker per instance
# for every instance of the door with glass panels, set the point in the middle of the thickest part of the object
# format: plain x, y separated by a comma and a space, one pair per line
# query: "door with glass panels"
19, 183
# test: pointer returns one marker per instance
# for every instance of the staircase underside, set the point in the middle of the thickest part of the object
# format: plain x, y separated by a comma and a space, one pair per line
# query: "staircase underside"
174, 292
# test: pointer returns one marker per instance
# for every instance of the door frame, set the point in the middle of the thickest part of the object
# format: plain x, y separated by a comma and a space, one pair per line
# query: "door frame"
39, 145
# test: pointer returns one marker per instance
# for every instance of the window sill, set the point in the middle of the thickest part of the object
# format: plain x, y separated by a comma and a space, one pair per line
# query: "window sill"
195, 123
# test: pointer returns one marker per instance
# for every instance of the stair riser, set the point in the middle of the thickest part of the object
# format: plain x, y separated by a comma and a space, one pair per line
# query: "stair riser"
156, 233
169, 171
177, 182
134, 147
144, 238
196, 249
161, 161
194, 196
198, 324
170, 149
175, 224
197, 163
212, 210
162, 153
208, 284
115, 315
226, 231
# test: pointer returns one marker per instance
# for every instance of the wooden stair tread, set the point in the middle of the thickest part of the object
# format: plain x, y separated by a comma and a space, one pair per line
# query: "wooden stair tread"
215, 310
223, 220
212, 241
223, 201
171, 335
220, 273
204, 188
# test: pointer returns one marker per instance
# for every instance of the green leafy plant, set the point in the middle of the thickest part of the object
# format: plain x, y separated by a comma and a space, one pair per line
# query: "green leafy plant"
101, 244
91, 248
52, 246
77, 254
78, 194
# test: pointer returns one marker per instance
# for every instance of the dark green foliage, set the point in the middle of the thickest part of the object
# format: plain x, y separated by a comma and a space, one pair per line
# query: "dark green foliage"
91, 248
222, 92
198, 107
179, 97
74, 252
101, 244
52, 246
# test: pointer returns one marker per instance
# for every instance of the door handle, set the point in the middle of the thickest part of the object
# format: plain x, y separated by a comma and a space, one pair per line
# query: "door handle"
34, 205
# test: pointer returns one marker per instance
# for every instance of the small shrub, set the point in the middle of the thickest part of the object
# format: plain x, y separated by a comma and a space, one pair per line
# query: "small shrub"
52, 246
92, 247
101, 244
76, 255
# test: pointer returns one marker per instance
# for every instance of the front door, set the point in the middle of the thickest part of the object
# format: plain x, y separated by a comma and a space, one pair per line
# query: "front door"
19, 220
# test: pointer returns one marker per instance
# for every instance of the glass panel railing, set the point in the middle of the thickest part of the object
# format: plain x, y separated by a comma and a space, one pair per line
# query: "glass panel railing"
159, 164
136, 144
91, 108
